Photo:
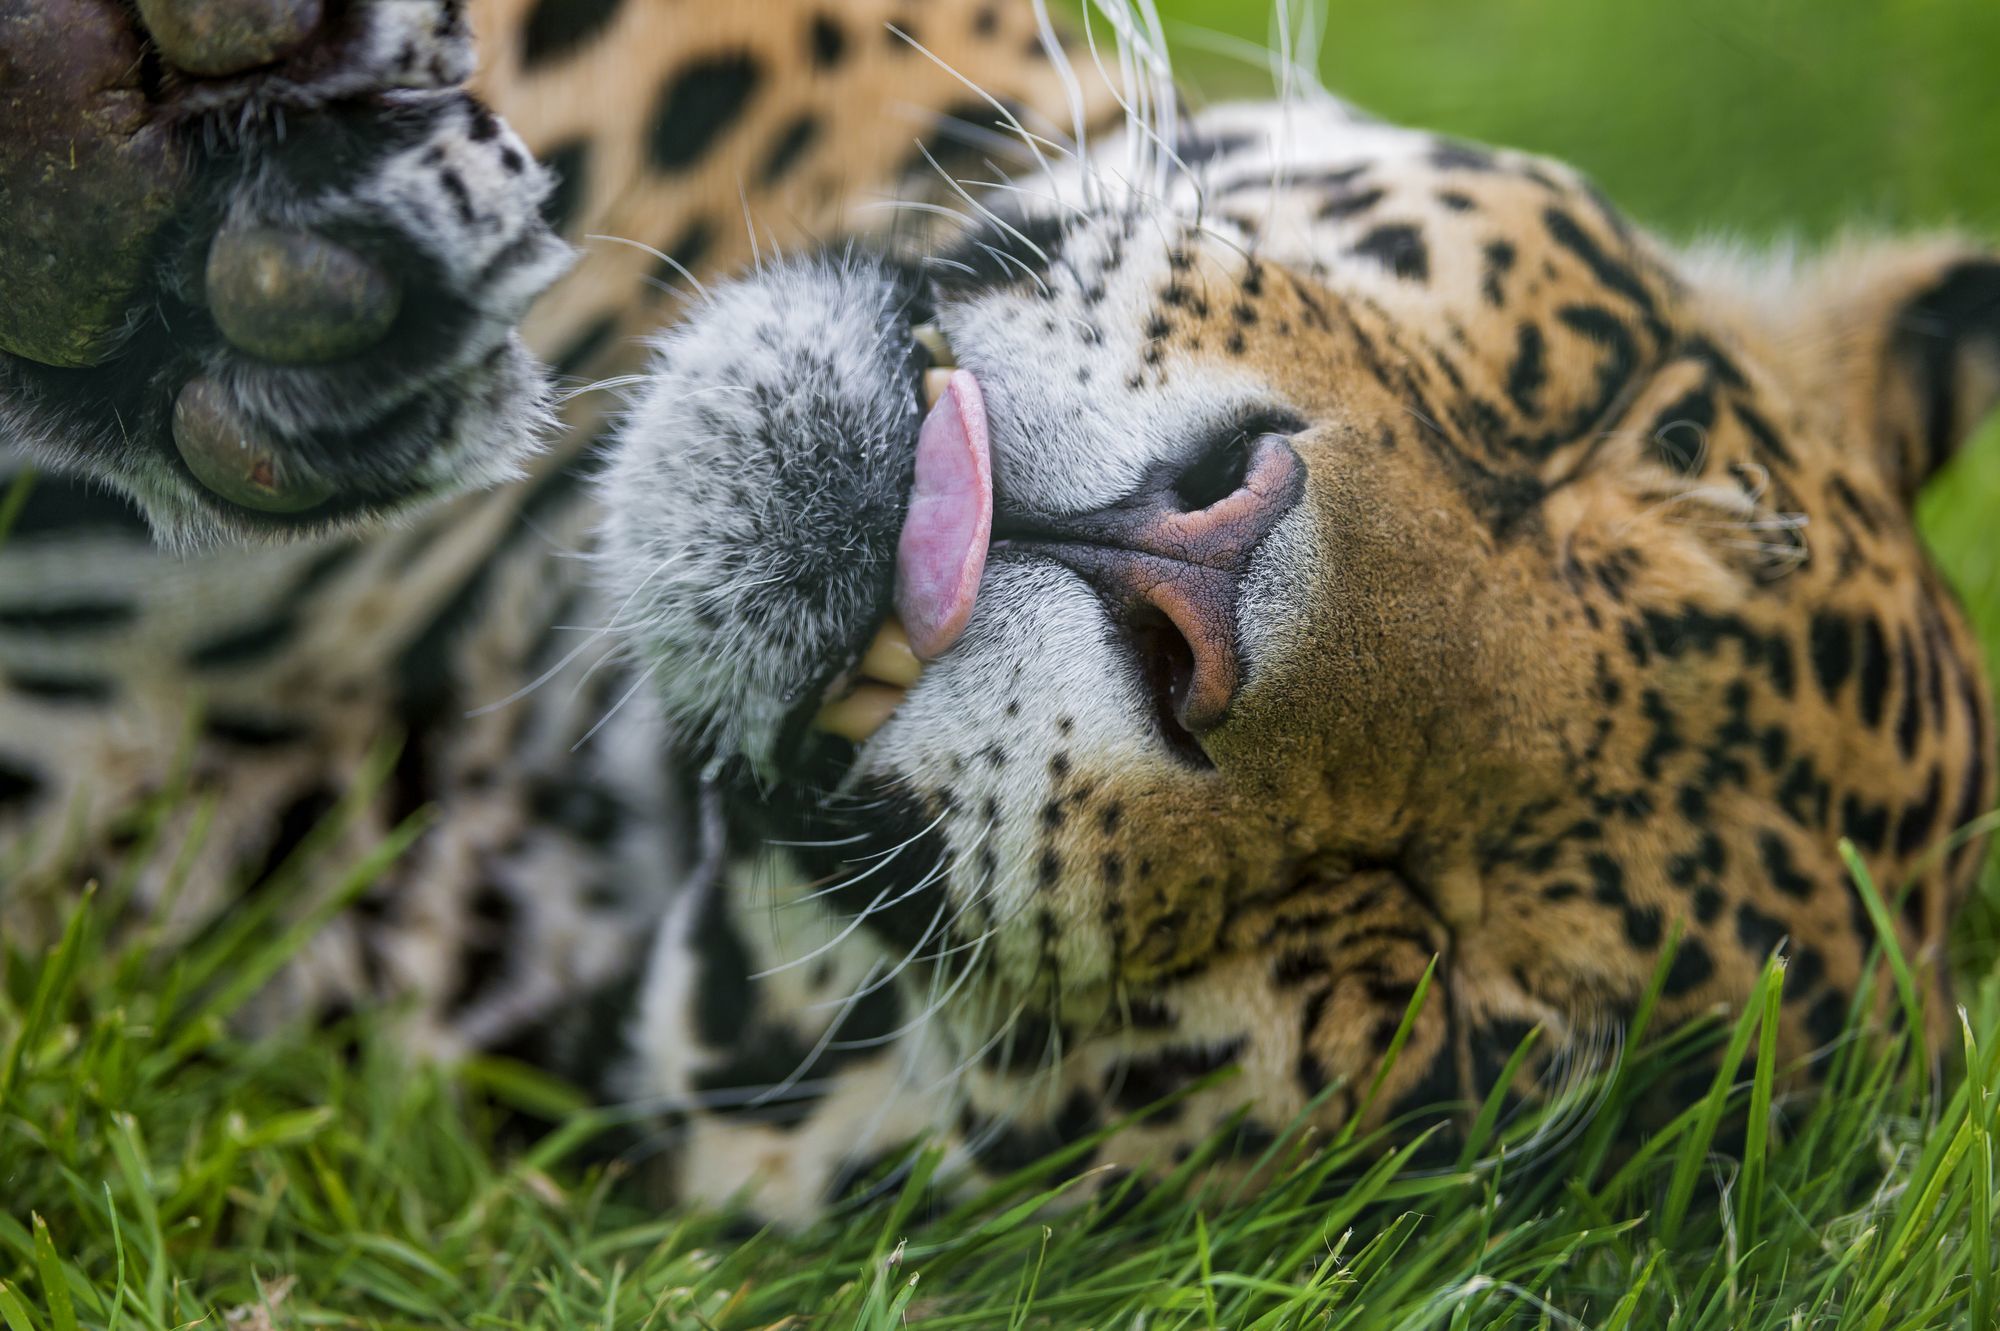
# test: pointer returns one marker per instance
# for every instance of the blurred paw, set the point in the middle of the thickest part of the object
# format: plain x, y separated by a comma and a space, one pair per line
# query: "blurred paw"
278, 289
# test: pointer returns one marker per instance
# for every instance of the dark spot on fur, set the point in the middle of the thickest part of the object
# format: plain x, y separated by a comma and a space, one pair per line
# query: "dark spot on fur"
555, 28
1909, 716
1497, 260
698, 105
1145, 1082
1399, 247
1608, 271
1692, 966
1785, 876
78, 616
1049, 870
584, 810
1642, 926
827, 41
688, 249
1529, 370
1930, 339
788, 147
1832, 640
1874, 672
1826, 1019
567, 164
1679, 437
1757, 932
1350, 205
1918, 823
245, 730
1863, 823
62, 689
1451, 155
492, 922
1297, 966
1707, 903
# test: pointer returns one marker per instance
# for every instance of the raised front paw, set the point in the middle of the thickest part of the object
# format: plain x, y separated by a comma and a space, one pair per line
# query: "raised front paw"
264, 260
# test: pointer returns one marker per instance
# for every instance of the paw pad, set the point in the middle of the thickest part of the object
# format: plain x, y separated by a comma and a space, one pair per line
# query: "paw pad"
234, 459
213, 38
295, 297
279, 257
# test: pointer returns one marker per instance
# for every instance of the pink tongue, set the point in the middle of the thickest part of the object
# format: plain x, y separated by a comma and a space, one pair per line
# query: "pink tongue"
942, 551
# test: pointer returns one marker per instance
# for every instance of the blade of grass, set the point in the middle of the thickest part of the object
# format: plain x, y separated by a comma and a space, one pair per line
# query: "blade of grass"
1885, 935
1692, 1152
14, 1310
50, 1267
14, 500
1983, 1182
1489, 1112
52, 985
1390, 1056
1768, 998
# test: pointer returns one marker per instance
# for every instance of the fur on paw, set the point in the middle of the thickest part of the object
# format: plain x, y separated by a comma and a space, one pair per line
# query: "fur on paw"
290, 301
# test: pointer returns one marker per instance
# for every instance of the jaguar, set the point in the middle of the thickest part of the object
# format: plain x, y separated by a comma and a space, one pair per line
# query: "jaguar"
886, 580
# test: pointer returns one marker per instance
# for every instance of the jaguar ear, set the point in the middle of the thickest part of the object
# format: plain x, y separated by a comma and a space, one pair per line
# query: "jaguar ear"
1915, 333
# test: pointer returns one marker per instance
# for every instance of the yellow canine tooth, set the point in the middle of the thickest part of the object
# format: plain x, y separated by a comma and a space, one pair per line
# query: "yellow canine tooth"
890, 658
934, 386
862, 712
931, 338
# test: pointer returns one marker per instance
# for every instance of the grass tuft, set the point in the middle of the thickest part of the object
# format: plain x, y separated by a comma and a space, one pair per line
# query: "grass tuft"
162, 1170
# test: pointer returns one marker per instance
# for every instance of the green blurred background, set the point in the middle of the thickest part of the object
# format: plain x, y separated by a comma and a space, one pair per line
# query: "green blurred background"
1763, 119
1759, 116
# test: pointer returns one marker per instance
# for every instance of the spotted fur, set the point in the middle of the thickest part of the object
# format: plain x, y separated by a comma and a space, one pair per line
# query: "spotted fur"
1593, 619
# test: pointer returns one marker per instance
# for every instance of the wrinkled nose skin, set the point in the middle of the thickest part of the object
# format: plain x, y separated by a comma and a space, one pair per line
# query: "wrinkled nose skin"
1157, 564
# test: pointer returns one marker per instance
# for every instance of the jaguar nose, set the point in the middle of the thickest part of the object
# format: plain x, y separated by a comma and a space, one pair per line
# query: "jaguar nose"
1169, 562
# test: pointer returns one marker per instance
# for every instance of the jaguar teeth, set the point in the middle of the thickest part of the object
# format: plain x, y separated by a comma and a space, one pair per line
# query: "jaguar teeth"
862, 712
890, 658
931, 338
877, 688
935, 382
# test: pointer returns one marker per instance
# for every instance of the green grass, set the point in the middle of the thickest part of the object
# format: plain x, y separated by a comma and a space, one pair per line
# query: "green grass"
1759, 117
161, 1171
158, 1169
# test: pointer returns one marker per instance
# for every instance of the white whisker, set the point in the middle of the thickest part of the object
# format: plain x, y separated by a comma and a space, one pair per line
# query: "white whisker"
662, 256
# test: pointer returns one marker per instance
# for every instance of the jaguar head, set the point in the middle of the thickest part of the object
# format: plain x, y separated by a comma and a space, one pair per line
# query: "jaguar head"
1074, 603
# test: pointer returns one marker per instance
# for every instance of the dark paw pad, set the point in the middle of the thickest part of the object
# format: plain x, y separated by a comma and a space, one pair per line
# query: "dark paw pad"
237, 458
295, 297
265, 278
212, 38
